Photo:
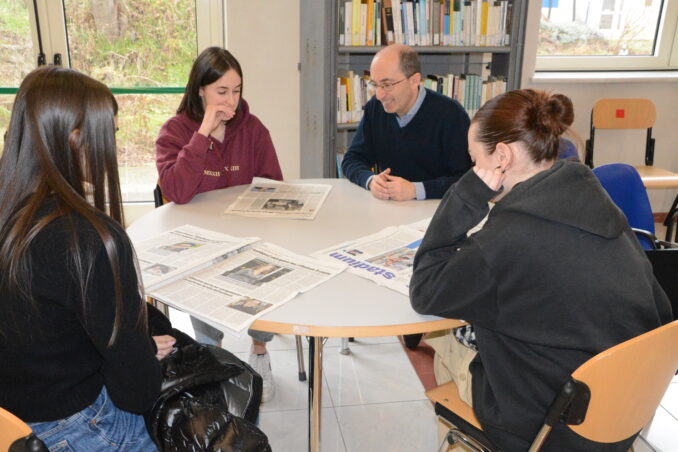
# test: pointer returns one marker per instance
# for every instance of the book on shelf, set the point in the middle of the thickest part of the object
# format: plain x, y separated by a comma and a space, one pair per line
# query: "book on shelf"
387, 23
425, 22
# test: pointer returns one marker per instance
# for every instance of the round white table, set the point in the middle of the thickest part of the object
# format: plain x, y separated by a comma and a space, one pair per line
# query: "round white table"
345, 306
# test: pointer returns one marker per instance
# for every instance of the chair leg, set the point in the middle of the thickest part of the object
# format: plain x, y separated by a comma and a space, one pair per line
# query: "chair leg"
300, 359
457, 436
670, 220
344, 347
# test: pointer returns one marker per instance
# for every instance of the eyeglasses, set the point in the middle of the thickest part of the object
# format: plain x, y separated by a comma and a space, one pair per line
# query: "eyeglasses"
386, 86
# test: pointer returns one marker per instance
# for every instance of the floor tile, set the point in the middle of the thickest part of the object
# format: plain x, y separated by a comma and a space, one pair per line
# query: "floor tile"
290, 393
288, 430
670, 401
662, 433
372, 374
641, 445
399, 426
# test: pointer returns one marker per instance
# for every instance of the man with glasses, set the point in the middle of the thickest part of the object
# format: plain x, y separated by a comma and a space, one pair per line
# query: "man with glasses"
411, 142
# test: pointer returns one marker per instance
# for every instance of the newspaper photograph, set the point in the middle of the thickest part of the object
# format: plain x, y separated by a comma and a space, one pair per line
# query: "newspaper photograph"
184, 250
266, 198
234, 292
385, 257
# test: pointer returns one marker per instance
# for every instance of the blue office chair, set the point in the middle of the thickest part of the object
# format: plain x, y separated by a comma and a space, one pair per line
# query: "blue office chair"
568, 150
622, 182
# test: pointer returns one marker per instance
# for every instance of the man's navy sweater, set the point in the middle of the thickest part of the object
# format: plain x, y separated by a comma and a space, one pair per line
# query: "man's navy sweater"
432, 148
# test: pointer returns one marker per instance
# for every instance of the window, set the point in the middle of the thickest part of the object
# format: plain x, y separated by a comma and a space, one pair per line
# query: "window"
577, 35
142, 49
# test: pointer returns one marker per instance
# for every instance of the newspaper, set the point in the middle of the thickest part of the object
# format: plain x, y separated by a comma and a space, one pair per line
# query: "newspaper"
238, 290
422, 225
184, 250
385, 257
266, 198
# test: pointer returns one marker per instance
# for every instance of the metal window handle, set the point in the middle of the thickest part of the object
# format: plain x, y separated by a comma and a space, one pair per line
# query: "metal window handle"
57, 59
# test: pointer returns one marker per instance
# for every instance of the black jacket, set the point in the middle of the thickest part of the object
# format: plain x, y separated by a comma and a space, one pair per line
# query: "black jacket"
554, 277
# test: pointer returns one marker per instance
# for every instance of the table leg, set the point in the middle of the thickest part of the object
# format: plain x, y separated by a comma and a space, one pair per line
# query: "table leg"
315, 380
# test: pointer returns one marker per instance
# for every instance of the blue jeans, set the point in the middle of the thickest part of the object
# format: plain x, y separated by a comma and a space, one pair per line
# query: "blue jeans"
99, 427
207, 334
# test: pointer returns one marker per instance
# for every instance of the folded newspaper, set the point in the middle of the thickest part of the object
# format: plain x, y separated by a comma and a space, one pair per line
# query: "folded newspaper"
245, 286
266, 198
386, 257
184, 250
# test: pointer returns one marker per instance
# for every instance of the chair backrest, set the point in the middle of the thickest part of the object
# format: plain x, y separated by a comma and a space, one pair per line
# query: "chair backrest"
158, 198
627, 382
623, 114
11, 429
568, 150
627, 191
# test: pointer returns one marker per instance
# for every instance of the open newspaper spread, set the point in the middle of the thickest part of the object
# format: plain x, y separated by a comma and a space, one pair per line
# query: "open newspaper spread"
238, 290
184, 250
266, 198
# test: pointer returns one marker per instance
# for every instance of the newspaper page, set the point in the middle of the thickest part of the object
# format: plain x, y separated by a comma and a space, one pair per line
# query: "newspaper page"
184, 250
385, 257
245, 286
422, 225
266, 198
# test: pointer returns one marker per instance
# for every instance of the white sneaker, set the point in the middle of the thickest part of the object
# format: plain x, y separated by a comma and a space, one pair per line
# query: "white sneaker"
262, 365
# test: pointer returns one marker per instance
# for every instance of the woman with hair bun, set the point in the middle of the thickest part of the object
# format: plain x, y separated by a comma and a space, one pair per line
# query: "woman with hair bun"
554, 277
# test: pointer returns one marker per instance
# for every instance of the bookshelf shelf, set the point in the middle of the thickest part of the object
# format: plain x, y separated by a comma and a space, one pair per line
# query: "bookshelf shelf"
428, 49
347, 126
322, 59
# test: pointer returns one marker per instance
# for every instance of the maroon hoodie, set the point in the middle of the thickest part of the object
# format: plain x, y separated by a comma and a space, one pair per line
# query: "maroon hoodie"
189, 163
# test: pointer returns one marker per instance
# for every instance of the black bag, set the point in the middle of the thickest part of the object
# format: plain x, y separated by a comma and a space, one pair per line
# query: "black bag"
209, 398
665, 268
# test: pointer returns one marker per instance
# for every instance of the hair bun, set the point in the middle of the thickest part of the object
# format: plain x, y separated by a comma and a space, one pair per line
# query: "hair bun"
556, 114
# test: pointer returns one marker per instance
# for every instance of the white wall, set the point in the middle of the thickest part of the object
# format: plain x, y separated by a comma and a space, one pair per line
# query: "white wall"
264, 36
615, 146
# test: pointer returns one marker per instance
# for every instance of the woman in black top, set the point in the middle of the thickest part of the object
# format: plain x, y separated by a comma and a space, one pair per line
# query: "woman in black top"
79, 362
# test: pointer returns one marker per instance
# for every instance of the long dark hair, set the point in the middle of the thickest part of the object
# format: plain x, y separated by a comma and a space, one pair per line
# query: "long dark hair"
210, 66
60, 146
536, 118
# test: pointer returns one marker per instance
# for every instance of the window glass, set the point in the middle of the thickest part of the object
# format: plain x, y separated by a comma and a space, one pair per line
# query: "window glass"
135, 44
140, 117
599, 28
132, 43
16, 54
16, 45
5, 112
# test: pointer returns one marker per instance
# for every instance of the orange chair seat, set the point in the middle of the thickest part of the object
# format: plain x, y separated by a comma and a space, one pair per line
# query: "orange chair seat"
448, 396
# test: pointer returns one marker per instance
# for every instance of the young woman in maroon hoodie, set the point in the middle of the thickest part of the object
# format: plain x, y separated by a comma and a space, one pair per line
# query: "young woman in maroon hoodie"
214, 142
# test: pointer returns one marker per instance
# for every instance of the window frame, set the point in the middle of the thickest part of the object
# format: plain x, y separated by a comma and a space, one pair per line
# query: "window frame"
665, 58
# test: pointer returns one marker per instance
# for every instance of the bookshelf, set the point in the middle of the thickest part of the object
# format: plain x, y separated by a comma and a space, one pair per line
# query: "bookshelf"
322, 59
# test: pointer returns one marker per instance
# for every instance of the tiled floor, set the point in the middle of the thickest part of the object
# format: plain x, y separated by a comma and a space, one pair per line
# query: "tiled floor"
373, 400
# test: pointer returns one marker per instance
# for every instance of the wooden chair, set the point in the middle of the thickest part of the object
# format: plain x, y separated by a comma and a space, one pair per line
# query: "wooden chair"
635, 114
16, 436
608, 399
